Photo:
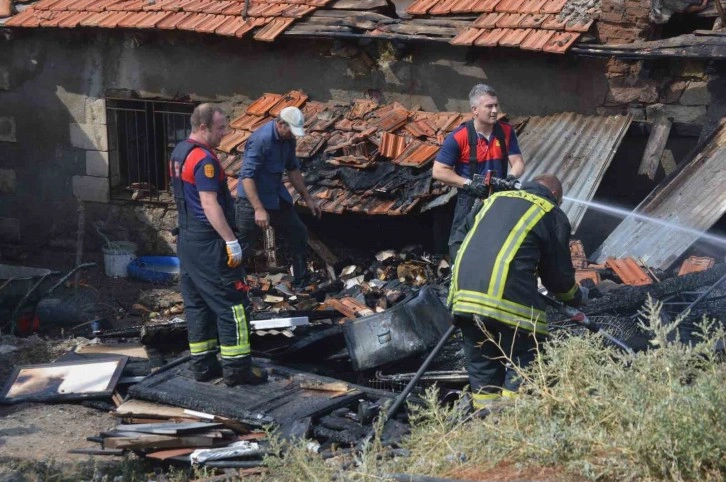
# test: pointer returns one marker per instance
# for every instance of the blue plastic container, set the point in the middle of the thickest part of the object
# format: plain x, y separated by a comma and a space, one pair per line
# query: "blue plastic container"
156, 269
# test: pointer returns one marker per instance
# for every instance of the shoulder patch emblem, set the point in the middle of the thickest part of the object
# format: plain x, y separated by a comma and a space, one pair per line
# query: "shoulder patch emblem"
209, 171
496, 143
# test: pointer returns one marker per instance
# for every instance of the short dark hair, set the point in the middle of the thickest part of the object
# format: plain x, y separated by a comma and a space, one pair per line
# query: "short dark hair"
204, 114
551, 182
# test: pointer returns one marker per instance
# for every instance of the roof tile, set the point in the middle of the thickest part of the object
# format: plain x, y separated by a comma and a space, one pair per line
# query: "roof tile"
553, 6
294, 98
263, 105
150, 21
466, 36
463, 6
198, 6
514, 37
56, 17
82, 5
211, 24
112, 20
193, 21
510, 20
485, 6
95, 19
534, 20
488, 20
230, 26
578, 26
511, 6
629, 271
176, 5
234, 8
553, 22
416, 154
171, 22
25, 18
442, 7
696, 263
129, 6
532, 6
391, 145
250, 24
133, 20
560, 42
233, 139
490, 38
102, 5
297, 11
537, 39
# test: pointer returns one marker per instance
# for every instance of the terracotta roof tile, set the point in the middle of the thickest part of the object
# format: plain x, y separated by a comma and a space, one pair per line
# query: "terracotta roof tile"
95, 19
420, 128
629, 271
61, 5
128, 6
487, 20
511, 20
234, 8
463, 6
297, 11
534, 20
696, 263
537, 39
233, 139
25, 18
442, 7
198, 6
192, 21
466, 36
230, 26
171, 22
153, 19
176, 5
391, 145
511, 6
587, 273
82, 5
133, 20
514, 37
560, 42
578, 26
294, 98
361, 107
112, 20
262, 105
490, 38
485, 6
553, 6
553, 22
310, 144
532, 6
416, 154
210, 25
250, 24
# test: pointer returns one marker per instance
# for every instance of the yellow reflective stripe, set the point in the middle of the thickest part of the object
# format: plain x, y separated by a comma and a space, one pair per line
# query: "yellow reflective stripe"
543, 203
509, 394
202, 347
483, 400
570, 295
528, 312
499, 315
464, 244
509, 249
242, 348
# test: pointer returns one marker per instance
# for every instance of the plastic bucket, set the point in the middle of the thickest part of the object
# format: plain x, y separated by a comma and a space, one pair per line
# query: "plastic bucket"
117, 256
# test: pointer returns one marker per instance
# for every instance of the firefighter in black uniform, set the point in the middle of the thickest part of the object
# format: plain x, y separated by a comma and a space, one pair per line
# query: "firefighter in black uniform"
500, 250
210, 257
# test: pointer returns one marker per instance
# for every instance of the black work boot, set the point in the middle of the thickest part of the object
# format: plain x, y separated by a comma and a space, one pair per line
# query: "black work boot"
300, 270
206, 367
245, 373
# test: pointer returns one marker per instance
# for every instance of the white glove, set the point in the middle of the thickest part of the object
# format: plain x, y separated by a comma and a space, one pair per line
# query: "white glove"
234, 253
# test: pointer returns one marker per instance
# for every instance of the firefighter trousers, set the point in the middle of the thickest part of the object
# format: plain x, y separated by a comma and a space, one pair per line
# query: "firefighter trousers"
214, 306
490, 361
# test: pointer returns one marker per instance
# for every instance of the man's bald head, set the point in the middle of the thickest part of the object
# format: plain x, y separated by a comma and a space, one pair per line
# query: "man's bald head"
551, 182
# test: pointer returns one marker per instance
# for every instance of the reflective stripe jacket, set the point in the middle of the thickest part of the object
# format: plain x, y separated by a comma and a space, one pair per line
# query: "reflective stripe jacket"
514, 237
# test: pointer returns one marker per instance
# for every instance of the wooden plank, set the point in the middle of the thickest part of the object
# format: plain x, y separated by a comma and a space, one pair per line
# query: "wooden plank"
300, 28
97, 451
656, 145
357, 4
168, 428
167, 454
422, 30
160, 441
668, 162
369, 16
140, 408
135, 350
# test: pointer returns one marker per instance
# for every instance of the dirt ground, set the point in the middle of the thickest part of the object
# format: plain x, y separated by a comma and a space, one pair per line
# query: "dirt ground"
43, 433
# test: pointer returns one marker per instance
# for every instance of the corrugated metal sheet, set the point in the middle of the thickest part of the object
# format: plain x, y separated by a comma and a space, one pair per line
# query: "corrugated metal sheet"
694, 198
577, 148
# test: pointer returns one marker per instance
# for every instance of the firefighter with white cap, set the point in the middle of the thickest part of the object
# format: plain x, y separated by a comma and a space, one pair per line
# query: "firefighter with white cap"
263, 200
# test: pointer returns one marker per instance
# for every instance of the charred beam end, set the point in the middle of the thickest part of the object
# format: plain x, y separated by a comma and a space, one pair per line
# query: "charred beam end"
630, 298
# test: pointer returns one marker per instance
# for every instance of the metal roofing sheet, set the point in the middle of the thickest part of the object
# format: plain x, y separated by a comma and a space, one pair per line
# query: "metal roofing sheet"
577, 148
693, 198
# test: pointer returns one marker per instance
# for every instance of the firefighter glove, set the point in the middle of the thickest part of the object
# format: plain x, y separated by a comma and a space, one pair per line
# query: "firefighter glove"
477, 189
234, 253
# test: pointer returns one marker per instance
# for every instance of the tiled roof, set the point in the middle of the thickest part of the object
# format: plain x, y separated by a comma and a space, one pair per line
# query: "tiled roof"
361, 138
527, 24
543, 25
221, 17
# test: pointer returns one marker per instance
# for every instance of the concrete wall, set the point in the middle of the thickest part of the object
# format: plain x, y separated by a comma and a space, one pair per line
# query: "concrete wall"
53, 140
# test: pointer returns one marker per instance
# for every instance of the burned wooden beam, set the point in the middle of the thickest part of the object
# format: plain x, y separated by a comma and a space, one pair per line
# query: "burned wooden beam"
656, 145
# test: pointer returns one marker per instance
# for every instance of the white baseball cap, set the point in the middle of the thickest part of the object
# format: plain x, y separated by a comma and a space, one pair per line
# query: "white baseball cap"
295, 119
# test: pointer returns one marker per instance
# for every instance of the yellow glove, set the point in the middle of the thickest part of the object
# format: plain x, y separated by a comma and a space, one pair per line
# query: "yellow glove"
234, 253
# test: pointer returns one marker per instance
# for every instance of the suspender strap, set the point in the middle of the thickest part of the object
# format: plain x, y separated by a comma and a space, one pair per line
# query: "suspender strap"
473, 141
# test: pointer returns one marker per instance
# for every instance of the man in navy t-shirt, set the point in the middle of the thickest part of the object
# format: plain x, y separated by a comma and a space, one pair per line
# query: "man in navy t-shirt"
452, 165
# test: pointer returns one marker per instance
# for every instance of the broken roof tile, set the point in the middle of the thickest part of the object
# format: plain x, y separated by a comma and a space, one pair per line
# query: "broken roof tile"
310, 144
420, 128
694, 264
629, 271
294, 98
416, 154
553, 22
391, 145
233, 139
560, 42
578, 26
587, 273
263, 105
360, 108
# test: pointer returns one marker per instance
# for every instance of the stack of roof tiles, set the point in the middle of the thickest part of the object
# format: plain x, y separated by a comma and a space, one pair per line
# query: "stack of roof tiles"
221, 17
527, 24
361, 135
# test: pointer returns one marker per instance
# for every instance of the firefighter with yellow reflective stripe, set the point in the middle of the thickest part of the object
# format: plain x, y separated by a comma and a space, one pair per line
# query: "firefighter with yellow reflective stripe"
499, 251
210, 257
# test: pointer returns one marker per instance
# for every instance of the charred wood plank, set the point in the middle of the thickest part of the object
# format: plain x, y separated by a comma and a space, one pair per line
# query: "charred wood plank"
300, 28
684, 46
97, 451
357, 4
411, 29
369, 16
654, 148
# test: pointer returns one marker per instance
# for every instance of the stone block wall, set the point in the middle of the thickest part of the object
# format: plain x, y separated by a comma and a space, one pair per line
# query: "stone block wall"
623, 21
